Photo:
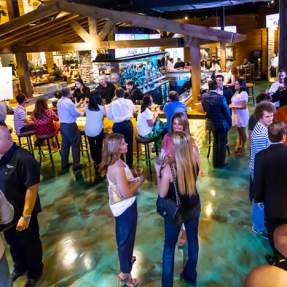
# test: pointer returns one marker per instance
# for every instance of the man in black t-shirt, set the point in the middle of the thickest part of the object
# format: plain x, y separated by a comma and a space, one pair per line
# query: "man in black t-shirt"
132, 92
106, 89
19, 181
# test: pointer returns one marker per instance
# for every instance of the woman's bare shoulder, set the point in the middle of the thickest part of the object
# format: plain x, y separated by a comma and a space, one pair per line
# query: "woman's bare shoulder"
118, 165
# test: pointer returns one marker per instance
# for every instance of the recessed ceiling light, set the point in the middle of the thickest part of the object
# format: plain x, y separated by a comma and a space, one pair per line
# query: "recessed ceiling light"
186, 18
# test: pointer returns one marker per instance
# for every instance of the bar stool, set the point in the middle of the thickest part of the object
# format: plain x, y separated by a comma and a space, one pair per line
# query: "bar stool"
84, 145
145, 142
28, 137
210, 144
250, 87
49, 139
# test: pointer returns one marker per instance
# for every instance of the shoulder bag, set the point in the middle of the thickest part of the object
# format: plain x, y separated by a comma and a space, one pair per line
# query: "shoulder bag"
166, 207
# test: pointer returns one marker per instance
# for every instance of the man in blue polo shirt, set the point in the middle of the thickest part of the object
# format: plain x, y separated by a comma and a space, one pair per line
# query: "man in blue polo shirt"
173, 106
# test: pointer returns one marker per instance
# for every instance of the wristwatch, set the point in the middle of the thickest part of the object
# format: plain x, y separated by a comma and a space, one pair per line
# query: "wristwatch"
26, 217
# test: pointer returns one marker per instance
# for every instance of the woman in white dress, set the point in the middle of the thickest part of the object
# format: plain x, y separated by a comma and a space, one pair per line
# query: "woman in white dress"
240, 114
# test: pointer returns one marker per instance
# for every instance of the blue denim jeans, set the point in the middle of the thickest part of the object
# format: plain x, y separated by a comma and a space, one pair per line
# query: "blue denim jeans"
258, 216
126, 225
189, 273
5, 280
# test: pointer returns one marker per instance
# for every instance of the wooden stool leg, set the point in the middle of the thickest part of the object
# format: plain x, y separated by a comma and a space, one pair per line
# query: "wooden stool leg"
58, 144
81, 146
87, 148
30, 144
40, 152
19, 140
149, 161
209, 143
50, 151
145, 152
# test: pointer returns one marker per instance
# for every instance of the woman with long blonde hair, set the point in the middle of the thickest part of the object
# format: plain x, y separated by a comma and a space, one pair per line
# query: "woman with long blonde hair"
179, 176
122, 200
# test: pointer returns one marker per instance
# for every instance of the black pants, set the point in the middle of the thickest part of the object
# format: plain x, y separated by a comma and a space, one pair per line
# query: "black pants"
126, 129
219, 145
70, 138
26, 249
96, 144
272, 224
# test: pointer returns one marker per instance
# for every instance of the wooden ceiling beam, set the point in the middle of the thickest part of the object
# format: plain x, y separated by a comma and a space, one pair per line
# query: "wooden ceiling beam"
55, 33
150, 22
47, 10
56, 38
81, 32
93, 31
47, 47
107, 28
35, 32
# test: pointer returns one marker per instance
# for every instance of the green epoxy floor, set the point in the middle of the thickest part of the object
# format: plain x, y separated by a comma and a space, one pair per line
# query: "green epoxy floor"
77, 230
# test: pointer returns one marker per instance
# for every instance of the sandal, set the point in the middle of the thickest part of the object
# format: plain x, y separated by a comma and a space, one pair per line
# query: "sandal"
127, 281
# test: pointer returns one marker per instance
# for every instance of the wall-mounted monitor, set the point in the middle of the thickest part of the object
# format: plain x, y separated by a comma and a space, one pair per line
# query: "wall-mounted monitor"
126, 52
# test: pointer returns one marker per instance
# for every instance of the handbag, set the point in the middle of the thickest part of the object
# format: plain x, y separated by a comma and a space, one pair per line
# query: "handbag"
158, 127
169, 209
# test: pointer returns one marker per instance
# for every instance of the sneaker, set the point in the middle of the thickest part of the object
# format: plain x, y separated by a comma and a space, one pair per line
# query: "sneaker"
262, 234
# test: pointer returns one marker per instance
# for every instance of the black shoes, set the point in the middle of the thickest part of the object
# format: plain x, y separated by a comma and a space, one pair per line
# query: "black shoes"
79, 167
16, 274
66, 167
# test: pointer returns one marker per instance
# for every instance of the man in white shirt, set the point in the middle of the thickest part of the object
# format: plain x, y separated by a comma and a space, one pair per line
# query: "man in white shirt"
170, 64
120, 111
6, 216
280, 83
68, 114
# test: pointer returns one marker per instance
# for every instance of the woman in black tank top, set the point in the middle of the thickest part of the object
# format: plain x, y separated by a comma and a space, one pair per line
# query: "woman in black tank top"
180, 177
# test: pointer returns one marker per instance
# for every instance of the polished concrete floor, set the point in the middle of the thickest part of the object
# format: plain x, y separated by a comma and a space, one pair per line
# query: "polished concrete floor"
77, 230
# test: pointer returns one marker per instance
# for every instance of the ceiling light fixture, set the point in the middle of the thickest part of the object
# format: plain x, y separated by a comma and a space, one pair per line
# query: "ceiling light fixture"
186, 18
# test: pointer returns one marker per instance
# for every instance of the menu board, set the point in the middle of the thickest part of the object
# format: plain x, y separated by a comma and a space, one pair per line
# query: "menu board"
272, 20
6, 83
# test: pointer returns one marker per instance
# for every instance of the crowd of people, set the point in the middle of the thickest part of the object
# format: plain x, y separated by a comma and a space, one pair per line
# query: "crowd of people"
177, 169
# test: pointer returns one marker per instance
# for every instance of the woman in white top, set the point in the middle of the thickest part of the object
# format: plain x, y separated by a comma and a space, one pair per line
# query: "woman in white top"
148, 123
240, 114
94, 128
122, 200
120, 111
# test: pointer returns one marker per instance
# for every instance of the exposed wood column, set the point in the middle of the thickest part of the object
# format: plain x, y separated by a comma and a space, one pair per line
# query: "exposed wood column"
13, 9
49, 61
21, 58
24, 74
283, 35
222, 56
94, 32
194, 47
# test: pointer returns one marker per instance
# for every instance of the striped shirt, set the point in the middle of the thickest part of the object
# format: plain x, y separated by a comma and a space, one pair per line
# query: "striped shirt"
259, 142
20, 115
